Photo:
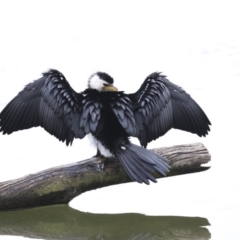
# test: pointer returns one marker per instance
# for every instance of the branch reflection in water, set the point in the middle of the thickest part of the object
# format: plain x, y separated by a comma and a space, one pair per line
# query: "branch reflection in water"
63, 222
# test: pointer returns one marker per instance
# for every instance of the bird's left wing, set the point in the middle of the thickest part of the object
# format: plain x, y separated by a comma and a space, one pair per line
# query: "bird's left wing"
160, 105
51, 103
152, 110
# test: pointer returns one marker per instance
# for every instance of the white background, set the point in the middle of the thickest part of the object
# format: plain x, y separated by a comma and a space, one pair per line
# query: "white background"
195, 43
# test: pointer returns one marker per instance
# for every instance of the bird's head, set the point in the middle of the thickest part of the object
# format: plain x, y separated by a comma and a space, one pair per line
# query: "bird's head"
102, 82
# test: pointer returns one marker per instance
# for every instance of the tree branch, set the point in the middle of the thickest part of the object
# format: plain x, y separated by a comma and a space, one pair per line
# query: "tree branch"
59, 185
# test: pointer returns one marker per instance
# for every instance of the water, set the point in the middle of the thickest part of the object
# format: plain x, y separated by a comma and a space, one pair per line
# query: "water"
62, 222
196, 44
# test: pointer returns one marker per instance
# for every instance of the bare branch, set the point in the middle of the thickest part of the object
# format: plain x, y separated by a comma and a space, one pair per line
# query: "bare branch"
59, 185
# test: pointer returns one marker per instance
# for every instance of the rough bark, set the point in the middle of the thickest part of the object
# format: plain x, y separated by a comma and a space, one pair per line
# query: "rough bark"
59, 185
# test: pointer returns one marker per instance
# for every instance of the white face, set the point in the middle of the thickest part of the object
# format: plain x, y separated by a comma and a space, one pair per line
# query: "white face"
97, 83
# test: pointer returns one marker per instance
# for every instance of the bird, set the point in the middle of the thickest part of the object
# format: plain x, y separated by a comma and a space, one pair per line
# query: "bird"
110, 117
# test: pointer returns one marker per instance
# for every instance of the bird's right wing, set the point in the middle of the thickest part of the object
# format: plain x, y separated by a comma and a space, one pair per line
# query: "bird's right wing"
152, 108
160, 105
51, 103
187, 114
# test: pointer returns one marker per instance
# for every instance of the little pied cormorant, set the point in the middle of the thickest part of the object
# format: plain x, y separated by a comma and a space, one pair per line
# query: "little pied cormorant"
108, 115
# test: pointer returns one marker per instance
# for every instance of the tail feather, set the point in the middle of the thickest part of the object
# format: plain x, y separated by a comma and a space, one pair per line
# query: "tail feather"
140, 163
132, 170
158, 161
143, 170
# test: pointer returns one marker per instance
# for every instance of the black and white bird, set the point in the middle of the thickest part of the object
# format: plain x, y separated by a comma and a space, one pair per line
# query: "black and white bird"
109, 116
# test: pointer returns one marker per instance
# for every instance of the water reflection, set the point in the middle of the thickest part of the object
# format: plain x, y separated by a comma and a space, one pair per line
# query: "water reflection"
63, 222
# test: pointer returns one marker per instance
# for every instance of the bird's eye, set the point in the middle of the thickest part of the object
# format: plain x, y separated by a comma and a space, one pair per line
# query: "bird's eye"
106, 85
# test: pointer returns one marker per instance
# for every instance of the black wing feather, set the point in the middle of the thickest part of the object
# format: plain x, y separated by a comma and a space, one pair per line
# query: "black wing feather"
160, 105
187, 114
87, 121
121, 105
51, 103
152, 110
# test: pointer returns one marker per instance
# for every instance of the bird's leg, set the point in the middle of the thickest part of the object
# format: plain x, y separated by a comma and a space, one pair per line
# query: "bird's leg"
98, 153
101, 161
100, 156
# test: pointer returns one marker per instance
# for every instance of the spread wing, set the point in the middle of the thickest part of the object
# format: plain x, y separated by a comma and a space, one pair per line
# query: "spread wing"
122, 107
160, 105
51, 103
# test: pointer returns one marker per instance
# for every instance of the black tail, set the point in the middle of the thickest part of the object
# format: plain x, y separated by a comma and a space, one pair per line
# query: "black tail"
140, 163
